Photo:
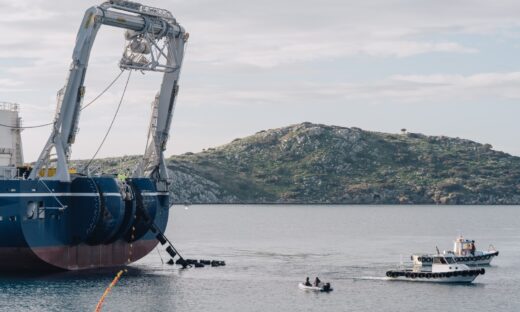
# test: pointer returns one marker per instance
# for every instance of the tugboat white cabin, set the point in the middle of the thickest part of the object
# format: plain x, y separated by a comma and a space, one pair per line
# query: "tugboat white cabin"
464, 251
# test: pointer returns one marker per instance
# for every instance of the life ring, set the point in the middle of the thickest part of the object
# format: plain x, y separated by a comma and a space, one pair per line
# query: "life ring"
473, 259
420, 259
389, 273
421, 275
407, 274
428, 275
435, 275
442, 275
413, 275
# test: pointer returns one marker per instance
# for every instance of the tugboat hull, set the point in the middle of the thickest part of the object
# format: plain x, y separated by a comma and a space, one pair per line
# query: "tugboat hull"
439, 280
460, 276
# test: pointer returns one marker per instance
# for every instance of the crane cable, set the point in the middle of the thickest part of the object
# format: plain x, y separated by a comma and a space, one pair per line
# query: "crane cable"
103, 92
111, 123
82, 108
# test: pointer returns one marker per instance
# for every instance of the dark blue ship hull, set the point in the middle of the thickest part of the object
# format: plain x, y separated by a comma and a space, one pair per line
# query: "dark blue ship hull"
82, 224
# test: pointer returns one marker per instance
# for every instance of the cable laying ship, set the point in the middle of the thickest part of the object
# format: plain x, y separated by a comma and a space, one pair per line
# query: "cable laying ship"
51, 218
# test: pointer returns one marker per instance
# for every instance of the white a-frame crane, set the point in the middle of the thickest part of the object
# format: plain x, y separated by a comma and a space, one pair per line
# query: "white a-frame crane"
155, 42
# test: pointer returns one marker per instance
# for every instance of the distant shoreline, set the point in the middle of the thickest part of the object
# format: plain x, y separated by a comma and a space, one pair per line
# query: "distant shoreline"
337, 204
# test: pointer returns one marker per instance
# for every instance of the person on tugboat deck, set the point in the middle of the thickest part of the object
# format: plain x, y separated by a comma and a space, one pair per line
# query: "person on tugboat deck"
307, 282
473, 248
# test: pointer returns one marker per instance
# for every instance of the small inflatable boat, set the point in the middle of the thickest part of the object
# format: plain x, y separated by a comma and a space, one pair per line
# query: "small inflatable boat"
321, 287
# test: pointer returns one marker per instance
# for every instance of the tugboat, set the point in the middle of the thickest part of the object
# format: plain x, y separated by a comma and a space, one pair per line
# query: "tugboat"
463, 252
442, 270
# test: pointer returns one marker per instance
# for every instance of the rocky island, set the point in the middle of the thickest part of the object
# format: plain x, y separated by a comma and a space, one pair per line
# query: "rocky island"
320, 164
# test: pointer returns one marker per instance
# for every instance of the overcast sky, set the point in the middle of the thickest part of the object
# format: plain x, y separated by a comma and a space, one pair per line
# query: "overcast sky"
435, 67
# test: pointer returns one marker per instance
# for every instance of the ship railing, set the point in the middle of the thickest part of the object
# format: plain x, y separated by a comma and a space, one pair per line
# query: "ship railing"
8, 106
8, 172
63, 207
56, 208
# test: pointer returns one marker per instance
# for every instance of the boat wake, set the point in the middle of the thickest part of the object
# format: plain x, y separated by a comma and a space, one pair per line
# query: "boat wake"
371, 278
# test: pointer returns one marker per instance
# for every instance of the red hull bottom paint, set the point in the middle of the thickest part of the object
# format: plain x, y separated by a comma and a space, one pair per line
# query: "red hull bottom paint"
73, 257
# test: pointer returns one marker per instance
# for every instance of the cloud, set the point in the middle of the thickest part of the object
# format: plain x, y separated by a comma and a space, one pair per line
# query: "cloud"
260, 53
420, 89
496, 85
25, 11
6, 82
301, 48
270, 48
476, 80
278, 33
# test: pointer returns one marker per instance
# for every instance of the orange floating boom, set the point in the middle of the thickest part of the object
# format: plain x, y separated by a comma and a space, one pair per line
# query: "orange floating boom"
109, 288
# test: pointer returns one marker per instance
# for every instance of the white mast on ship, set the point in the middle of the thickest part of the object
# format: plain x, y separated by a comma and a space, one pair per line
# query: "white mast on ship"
11, 154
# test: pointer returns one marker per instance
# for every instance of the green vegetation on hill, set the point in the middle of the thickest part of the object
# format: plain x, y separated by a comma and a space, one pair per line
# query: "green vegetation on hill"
311, 163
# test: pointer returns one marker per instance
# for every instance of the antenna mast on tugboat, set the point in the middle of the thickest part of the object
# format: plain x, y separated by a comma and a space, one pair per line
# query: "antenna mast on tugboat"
154, 42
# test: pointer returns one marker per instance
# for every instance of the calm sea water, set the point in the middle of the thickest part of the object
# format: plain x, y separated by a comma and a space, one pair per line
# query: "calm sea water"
269, 249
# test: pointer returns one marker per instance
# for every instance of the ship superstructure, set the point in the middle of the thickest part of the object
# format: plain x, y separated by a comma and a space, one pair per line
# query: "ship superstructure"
51, 218
464, 251
11, 153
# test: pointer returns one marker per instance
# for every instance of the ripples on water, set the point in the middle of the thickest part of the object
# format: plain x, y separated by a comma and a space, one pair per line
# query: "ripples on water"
269, 249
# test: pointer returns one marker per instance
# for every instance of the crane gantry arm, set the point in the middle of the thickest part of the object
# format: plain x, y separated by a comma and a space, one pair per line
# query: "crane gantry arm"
155, 42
